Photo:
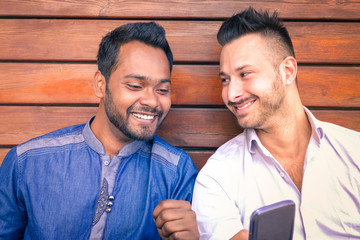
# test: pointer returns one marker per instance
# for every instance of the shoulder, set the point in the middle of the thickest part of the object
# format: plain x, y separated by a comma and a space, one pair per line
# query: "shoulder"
226, 163
168, 154
41, 147
53, 140
221, 177
339, 134
342, 138
175, 166
331, 131
229, 152
337, 131
233, 146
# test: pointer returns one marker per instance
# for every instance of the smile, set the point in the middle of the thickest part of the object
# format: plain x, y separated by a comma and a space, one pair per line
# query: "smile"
245, 105
143, 116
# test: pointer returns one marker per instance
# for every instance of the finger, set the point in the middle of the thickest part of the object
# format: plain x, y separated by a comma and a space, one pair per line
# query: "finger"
186, 224
183, 235
242, 235
168, 204
167, 215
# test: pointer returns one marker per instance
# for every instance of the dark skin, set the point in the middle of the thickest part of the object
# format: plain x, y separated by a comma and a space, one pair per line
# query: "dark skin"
174, 220
141, 80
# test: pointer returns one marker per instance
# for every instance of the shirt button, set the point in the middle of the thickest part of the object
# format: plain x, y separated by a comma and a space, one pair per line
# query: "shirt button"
108, 209
111, 197
106, 163
282, 174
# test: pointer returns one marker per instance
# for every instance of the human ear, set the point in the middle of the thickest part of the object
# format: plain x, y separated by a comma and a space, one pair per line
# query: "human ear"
99, 84
288, 70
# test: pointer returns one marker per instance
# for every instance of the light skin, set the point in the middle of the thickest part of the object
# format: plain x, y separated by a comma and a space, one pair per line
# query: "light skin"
133, 104
259, 88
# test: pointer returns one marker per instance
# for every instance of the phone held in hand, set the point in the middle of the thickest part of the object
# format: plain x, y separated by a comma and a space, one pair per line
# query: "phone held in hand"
275, 221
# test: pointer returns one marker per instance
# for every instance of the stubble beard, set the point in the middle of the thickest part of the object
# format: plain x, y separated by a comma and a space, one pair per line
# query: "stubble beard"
268, 105
122, 122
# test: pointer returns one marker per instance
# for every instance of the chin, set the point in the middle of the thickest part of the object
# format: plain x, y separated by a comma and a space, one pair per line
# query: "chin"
142, 135
247, 124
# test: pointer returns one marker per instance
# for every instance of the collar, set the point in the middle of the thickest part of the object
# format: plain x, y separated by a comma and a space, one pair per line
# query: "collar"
317, 134
98, 147
316, 126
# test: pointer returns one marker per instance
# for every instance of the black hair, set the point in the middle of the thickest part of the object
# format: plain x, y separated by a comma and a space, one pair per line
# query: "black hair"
251, 21
150, 34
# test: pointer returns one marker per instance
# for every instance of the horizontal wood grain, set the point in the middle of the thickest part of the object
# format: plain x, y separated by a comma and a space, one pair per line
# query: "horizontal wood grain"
332, 9
191, 41
183, 127
3, 152
49, 47
20, 123
49, 83
199, 157
329, 86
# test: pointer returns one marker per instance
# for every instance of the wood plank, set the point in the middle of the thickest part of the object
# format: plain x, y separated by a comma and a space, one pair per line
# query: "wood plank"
190, 133
346, 118
178, 9
191, 41
183, 127
329, 86
199, 157
315, 41
48, 83
3, 152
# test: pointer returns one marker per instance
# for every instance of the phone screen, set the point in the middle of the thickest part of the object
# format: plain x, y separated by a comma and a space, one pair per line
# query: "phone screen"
275, 221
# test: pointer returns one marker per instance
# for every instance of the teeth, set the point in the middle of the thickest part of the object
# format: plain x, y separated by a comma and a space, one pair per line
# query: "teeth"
246, 105
143, 116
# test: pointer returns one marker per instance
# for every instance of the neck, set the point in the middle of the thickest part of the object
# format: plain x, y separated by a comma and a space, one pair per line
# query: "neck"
287, 139
111, 137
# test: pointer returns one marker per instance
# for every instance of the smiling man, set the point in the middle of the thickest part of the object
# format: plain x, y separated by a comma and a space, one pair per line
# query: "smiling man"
284, 151
111, 178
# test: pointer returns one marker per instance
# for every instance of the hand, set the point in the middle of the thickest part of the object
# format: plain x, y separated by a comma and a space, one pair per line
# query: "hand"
242, 235
175, 219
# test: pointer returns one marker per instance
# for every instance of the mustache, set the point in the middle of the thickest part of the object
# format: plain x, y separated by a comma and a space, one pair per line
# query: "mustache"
145, 109
241, 101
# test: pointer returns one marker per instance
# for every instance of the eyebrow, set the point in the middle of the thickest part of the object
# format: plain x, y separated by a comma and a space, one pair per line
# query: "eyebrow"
143, 78
222, 74
236, 70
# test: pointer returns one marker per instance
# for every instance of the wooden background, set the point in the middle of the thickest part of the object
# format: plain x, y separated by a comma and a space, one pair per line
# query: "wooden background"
48, 57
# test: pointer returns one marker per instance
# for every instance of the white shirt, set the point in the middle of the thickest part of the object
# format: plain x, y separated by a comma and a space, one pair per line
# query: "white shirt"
242, 176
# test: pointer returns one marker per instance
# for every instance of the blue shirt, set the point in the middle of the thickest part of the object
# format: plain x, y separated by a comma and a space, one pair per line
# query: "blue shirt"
63, 186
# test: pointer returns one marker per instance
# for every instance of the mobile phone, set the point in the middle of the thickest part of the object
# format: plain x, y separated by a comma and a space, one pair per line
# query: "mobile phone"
275, 221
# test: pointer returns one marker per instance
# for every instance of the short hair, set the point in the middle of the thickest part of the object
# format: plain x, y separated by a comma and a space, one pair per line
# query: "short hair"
251, 21
149, 33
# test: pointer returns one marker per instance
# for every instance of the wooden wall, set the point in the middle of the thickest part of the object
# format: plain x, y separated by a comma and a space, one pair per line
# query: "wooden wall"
48, 57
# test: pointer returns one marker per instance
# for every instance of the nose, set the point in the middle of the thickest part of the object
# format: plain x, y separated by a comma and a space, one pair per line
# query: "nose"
149, 98
235, 90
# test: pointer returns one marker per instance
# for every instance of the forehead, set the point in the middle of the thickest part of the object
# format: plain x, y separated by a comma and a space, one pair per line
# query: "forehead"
141, 59
245, 49
138, 52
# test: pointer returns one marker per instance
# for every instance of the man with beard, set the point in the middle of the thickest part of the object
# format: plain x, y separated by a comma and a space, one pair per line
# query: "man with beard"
284, 151
111, 178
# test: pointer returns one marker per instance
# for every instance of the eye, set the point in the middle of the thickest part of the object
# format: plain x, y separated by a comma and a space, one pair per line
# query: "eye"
134, 87
244, 74
163, 91
224, 80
